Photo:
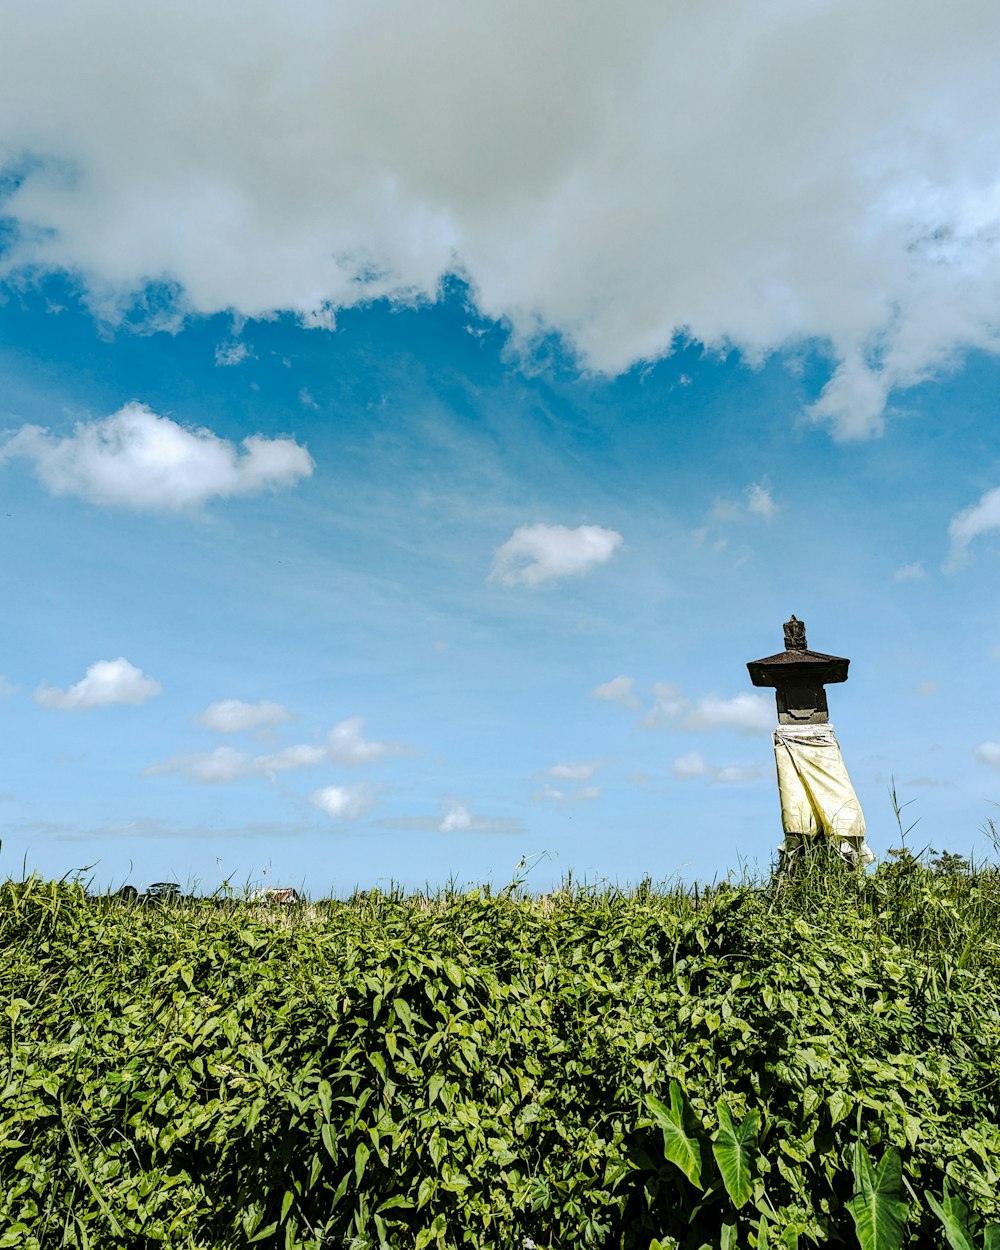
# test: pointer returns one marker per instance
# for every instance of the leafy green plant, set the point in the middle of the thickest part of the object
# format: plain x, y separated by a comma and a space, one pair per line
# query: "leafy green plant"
732, 1065
877, 1205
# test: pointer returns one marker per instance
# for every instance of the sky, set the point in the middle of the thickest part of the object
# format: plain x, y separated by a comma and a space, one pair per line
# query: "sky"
414, 417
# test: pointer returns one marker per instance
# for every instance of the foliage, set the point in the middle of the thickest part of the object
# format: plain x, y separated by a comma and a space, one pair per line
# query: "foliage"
810, 1063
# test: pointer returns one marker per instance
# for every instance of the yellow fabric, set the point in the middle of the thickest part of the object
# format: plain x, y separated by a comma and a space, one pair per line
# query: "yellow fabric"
816, 793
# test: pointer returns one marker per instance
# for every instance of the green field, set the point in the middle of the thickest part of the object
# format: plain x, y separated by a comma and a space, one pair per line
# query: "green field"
746, 1065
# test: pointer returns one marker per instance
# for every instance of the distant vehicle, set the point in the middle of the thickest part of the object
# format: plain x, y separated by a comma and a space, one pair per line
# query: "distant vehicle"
283, 895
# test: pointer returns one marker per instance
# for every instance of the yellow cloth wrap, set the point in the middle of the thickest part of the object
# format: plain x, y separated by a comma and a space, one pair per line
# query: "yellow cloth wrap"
816, 793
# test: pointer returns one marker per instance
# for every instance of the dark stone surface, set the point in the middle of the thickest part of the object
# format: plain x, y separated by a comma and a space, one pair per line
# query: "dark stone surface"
797, 676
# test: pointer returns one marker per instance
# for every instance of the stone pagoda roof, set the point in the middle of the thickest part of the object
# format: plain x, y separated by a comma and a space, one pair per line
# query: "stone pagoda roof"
797, 663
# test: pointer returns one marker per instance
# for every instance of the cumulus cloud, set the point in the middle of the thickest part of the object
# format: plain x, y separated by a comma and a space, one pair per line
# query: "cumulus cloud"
978, 519
617, 690
538, 553
107, 681
694, 766
988, 753
233, 715
456, 818
347, 745
910, 573
737, 175
344, 802
136, 459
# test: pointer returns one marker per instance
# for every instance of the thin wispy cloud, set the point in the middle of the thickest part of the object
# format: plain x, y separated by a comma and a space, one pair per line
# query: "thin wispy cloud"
233, 353
694, 767
555, 794
979, 518
453, 816
345, 745
745, 712
576, 770
234, 716
757, 504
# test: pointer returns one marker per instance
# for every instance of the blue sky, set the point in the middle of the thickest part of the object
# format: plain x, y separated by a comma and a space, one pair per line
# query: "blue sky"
545, 441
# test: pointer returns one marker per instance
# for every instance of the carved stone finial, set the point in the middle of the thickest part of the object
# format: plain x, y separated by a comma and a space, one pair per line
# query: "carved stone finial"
795, 635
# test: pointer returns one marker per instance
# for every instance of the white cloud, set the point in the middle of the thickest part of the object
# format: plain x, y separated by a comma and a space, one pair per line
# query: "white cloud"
344, 745
618, 690
233, 715
910, 573
668, 703
218, 767
988, 753
694, 766
978, 519
232, 353
691, 765
579, 770
757, 502
348, 746
289, 759
737, 174
136, 459
745, 712
456, 818
581, 794
107, 681
760, 502
925, 689
344, 802
539, 553
735, 775
6, 688
226, 764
